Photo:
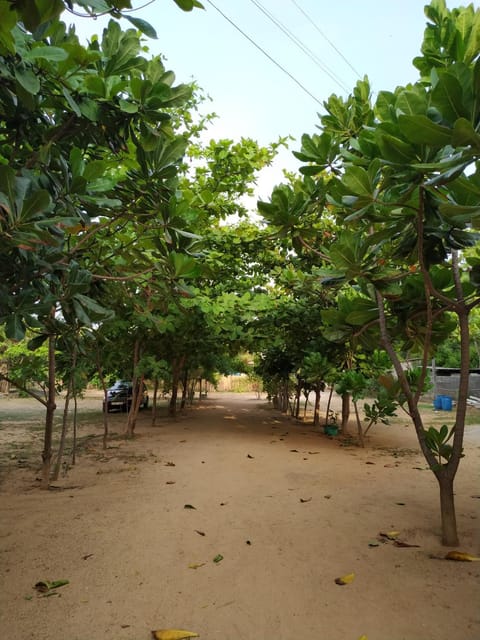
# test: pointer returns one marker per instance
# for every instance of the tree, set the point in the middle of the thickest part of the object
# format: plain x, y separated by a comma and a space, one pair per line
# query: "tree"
394, 176
82, 130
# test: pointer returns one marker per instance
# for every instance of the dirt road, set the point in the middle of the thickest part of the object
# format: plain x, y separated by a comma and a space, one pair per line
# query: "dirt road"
234, 522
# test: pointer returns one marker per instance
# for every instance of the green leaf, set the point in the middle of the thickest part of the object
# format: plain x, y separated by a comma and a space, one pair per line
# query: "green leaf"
38, 202
96, 85
447, 96
188, 5
361, 317
460, 214
357, 180
28, 80
128, 107
143, 26
421, 130
73, 105
411, 103
394, 149
94, 310
15, 327
56, 54
464, 133
94, 170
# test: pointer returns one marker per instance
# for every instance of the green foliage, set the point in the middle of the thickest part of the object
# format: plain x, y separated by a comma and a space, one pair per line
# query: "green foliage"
437, 441
26, 367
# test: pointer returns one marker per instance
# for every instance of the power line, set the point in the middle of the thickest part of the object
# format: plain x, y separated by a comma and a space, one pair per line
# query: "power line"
308, 52
326, 38
277, 64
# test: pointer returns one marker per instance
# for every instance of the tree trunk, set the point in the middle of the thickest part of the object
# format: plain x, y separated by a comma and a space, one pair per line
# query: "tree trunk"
447, 508
345, 411
51, 406
154, 401
137, 390
316, 411
105, 406
75, 415
61, 446
176, 371
184, 389
329, 402
359, 425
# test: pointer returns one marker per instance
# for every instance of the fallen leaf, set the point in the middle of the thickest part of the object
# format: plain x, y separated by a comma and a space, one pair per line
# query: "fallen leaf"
249, 456
87, 556
293, 450
188, 506
345, 579
196, 565
43, 586
390, 535
363, 638
312, 453
173, 634
374, 543
170, 482
327, 497
169, 464
218, 558
461, 556
400, 504
399, 543
200, 533
305, 499
368, 462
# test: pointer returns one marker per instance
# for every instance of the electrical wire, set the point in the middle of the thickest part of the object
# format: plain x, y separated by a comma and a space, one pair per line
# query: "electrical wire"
312, 22
308, 52
277, 64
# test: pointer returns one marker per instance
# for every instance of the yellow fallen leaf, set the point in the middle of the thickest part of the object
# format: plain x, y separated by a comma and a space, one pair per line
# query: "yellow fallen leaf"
173, 634
196, 565
345, 579
461, 556
390, 535
363, 638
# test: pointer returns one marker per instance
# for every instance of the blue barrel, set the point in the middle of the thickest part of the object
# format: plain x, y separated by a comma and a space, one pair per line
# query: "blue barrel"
437, 402
446, 403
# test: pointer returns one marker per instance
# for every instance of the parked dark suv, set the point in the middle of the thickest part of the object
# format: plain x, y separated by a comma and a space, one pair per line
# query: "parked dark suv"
119, 396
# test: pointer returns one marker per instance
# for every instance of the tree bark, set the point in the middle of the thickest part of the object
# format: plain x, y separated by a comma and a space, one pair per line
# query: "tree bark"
137, 390
447, 508
63, 436
345, 411
154, 401
316, 410
359, 425
49, 415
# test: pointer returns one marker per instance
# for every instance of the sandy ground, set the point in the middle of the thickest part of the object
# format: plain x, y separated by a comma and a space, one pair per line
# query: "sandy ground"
288, 509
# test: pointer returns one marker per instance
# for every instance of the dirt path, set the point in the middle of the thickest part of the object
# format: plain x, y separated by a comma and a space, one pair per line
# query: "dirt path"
289, 510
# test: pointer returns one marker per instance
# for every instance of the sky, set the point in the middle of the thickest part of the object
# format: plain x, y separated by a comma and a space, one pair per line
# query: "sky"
346, 39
